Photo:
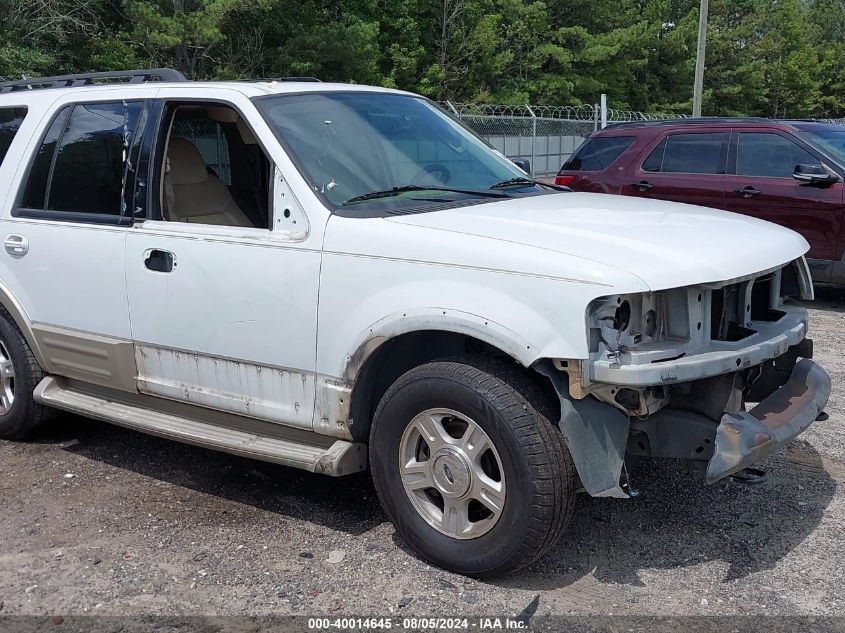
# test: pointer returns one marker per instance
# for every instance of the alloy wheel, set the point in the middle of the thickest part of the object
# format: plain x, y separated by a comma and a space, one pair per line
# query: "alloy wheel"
452, 473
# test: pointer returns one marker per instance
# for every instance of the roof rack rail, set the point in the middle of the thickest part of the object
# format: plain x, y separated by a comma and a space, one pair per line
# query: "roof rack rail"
303, 79
715, 120
272, 79
87, 79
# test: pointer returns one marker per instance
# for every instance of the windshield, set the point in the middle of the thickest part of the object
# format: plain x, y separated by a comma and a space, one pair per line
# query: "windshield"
350, 145
831, 140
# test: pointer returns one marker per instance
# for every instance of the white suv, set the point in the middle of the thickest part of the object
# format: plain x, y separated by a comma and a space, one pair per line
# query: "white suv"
337, 277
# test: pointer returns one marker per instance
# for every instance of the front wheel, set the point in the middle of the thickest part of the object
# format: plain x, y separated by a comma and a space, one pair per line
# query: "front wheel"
471, 472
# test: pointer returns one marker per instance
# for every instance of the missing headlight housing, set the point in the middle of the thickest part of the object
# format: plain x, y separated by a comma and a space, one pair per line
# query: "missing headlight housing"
695, 315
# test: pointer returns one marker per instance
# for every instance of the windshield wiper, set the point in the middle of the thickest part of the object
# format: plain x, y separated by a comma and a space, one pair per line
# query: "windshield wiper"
519, 180
395, 191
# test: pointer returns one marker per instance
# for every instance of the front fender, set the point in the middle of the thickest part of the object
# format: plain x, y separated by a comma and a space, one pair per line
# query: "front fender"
365, 301
439, 319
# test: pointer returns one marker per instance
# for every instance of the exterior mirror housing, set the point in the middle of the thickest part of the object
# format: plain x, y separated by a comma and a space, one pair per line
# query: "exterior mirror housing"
523, 163
818, 174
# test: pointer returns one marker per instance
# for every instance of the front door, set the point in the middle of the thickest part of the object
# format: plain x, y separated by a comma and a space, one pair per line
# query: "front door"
223, 305
761, 185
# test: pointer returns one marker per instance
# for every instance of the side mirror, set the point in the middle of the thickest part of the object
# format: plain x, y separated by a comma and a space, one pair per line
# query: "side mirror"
523, 163
815, 174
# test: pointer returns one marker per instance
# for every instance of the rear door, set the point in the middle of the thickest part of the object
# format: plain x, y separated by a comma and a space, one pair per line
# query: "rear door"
682, 166
65, 231
597, 165
760, 184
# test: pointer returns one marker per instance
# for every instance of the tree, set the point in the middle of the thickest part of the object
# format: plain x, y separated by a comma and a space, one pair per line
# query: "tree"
184, 31
788, 60
764, 57
38, 32
826, 34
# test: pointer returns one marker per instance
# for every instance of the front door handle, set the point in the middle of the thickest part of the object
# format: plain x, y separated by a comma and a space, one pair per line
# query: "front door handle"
748, 192
16, 245
643, 185
159, 261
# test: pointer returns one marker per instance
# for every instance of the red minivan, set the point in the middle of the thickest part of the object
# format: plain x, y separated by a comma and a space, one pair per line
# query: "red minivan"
788, 172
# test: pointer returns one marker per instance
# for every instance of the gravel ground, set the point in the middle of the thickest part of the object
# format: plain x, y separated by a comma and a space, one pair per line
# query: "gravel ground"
101, 520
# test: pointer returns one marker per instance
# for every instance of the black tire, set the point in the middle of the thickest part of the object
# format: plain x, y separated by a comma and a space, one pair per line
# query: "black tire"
537, 465
25, 415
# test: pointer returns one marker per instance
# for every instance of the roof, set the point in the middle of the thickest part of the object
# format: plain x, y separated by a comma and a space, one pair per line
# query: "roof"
715, 121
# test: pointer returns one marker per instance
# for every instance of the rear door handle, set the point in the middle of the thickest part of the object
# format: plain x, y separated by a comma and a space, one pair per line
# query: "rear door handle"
159, 261
16, 245
643, 185
748, 192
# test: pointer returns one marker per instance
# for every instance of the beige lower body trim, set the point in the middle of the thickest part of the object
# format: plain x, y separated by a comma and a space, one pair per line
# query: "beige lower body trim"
101, 360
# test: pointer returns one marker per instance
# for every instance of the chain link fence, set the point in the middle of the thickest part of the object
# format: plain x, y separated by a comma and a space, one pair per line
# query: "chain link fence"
544, 135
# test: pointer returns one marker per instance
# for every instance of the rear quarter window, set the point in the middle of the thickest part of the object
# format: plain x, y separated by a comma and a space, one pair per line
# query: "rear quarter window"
10, 123
598, 153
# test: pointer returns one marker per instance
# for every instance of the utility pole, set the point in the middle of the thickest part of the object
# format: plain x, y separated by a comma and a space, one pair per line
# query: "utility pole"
603, 110
698, 87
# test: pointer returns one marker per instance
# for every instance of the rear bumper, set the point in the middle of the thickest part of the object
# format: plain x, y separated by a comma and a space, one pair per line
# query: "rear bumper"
747, 437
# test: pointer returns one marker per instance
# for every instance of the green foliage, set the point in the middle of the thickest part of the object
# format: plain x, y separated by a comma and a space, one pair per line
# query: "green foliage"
764, 57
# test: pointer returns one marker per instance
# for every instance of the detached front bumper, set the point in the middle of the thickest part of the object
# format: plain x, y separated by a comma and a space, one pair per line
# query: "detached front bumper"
705, 424
745, 438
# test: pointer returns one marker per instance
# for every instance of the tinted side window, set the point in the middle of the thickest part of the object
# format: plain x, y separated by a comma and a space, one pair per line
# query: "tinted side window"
89, 166
35, 194
687, 154
655, 159
10, 123
769, 155
598, 153
80, 166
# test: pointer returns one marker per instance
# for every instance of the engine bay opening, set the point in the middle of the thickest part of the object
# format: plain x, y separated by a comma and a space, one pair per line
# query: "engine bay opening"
705, 329
760, 307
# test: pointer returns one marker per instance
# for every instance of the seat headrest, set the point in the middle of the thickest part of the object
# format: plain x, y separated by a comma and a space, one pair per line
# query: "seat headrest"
222, 114
186, 164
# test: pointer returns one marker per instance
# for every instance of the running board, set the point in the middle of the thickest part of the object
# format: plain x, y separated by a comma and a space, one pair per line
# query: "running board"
319, 455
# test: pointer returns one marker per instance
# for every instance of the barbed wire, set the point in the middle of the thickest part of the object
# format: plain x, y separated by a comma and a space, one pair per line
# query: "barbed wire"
583, 112
632, 115
577, 113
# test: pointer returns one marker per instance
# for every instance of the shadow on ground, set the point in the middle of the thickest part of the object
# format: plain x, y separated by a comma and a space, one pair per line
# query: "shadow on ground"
830, 298
348, 504
678, 521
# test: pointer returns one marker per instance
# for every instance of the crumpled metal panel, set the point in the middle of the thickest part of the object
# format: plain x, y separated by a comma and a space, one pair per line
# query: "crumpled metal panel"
747, 437
597, 437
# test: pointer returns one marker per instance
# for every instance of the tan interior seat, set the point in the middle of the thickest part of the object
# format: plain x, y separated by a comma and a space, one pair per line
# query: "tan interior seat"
193, 194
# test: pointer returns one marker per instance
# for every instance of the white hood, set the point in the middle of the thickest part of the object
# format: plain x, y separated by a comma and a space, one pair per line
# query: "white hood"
666, 244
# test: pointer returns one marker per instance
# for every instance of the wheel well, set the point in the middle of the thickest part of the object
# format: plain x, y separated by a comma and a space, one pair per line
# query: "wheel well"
404, 352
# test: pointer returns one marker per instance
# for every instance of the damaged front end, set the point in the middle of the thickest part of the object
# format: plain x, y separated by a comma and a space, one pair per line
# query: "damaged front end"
671, 374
